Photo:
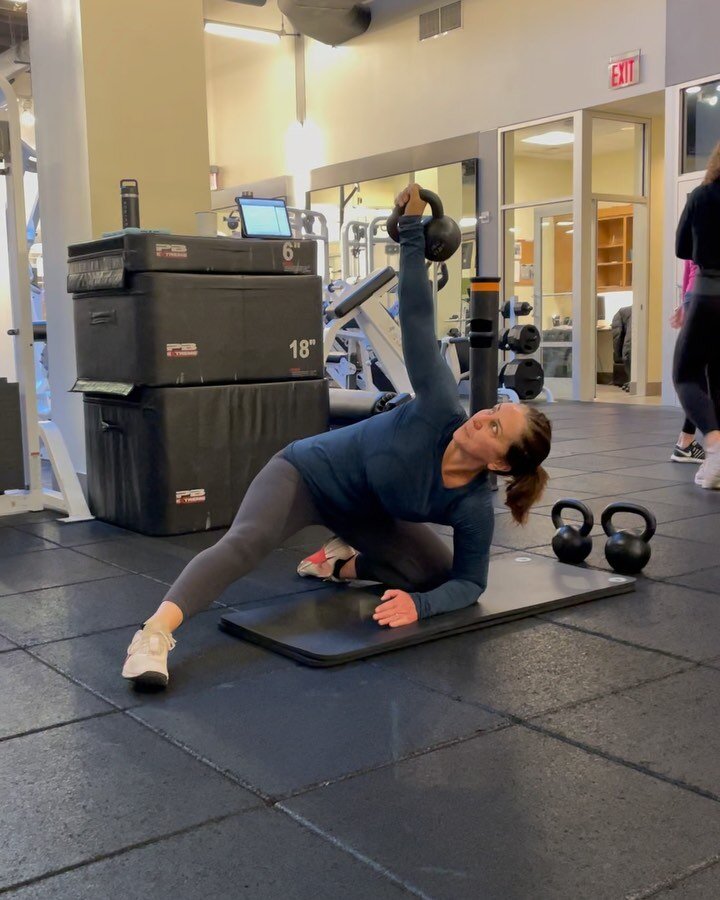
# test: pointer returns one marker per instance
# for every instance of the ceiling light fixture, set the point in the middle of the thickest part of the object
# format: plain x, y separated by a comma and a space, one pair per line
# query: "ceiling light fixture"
242, 33
550, 139
695, 89
27, 117
469, 222
563, 224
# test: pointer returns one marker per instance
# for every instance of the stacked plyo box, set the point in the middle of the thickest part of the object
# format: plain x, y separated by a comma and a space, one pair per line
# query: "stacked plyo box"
199, 359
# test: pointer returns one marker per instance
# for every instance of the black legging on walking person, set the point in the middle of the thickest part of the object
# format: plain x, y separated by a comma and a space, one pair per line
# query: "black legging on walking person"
406, 555
696, 367
688, 427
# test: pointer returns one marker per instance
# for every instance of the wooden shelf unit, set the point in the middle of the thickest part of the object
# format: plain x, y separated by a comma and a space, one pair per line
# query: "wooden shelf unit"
614, 248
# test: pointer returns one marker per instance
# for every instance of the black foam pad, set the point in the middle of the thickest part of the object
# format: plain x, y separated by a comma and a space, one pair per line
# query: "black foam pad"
327, 628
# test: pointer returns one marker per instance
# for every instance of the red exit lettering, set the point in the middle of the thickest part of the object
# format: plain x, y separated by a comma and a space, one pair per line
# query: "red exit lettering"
624, 72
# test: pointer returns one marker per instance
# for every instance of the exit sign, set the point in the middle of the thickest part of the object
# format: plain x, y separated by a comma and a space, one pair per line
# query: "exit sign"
624, 70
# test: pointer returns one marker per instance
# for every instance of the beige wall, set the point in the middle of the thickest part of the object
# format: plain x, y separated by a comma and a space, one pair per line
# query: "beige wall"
385, 90
146, 110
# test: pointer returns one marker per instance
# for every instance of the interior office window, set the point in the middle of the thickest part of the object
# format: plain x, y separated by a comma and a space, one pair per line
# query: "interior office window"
701, 124
538, 162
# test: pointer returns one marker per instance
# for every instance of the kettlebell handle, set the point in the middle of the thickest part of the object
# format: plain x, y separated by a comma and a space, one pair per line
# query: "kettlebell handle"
582, 508
625, 507
433, 201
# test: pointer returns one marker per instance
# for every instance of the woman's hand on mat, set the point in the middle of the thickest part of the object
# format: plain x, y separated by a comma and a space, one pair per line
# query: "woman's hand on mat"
410, 200
398, 608
678, 317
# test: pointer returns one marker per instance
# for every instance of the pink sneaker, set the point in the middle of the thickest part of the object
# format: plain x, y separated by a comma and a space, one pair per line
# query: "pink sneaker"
327, 561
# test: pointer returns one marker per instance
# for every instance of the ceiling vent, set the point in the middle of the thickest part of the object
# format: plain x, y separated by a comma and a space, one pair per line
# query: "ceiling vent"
441, 20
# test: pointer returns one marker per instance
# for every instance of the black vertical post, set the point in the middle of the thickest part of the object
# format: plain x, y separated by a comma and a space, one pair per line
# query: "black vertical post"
484, 311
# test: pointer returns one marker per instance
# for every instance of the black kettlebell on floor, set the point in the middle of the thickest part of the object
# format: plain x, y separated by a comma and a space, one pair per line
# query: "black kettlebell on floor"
442, 234
626, 552
571, 544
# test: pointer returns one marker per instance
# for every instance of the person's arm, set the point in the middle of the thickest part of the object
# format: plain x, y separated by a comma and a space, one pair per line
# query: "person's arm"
471, 557
430, 376
683, 235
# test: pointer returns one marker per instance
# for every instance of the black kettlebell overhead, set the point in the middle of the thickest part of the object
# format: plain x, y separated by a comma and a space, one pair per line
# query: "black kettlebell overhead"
442, 234
571, 544
626, 552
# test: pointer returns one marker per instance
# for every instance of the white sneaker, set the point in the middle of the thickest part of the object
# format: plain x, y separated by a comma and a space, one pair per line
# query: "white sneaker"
711, 469
700, 475
324, 563
146, 662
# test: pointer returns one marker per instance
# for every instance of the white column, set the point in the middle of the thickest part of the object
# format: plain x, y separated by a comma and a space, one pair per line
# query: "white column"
59, 95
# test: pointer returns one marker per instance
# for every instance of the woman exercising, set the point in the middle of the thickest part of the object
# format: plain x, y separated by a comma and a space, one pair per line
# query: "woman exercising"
696, 371
374, 484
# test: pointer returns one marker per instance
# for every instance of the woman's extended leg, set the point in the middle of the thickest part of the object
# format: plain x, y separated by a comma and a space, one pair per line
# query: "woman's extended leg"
694, 353
687, 449
276, 506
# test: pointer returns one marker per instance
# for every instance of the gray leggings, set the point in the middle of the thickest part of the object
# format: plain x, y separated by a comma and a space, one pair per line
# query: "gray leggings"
405, 555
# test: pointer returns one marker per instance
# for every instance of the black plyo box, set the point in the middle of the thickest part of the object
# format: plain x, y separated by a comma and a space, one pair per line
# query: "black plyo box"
106, 263
171, 329
165, 461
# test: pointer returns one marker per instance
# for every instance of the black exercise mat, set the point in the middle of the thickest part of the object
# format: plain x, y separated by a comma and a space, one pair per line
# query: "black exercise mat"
327, 628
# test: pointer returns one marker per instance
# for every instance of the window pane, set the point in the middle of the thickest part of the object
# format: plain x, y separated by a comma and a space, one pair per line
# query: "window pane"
701, 124
539, 162
618, 157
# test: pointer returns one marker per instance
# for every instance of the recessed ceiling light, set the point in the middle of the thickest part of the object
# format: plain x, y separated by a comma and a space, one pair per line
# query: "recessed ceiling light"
570, 231
550, 138
564, 224
693, 90
239, 33
513, 230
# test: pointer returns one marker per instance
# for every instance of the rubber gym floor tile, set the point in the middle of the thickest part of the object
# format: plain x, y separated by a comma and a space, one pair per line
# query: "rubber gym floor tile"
600, 484
95, 787
538, 530
13, 541
701, 885
516, 815
138, 554
704, 580
63, 612
669, 556
659, 452
43, 515
669, 472
74, 534
597, 445
633, 725
51, 568
204, 656
704, 529
552, 494
663, 512
6, 645
585, 462
293, 728
528, 667
658, 616
687, 495
33, 696
258, 855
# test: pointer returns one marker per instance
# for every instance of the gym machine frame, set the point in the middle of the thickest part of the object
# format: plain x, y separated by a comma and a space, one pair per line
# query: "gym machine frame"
34, 497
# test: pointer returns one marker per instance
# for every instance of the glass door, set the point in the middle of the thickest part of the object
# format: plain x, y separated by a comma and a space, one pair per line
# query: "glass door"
553, 295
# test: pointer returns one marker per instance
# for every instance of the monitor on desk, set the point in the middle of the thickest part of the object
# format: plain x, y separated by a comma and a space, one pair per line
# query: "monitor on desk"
600, 309
263, 218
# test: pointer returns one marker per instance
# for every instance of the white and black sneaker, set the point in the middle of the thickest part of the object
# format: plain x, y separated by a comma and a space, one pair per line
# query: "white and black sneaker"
327, 562
146, 662
693, 453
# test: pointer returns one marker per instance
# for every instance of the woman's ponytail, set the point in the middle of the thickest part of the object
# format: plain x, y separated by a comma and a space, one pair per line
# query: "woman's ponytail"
524, 491
527, 476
